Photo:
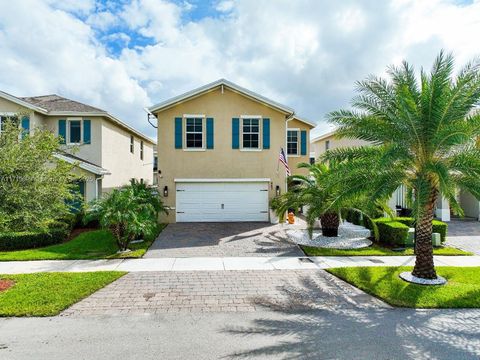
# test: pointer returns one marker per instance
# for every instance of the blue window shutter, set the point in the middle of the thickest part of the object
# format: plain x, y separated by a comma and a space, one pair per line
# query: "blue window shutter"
25, 126
62, 130
178, 133
266, 133
303, 142
235, 133
209, 133
87, 132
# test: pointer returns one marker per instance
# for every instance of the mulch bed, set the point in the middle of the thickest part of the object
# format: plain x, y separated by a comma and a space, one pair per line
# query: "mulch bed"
77, 231
6, 284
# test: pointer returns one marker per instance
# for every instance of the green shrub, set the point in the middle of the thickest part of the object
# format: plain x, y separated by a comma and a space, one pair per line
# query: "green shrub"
409, 221
441, 228
392, 232
31, 239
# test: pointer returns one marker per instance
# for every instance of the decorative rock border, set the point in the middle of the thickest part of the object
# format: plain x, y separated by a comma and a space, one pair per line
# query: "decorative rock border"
407, 276
340, 242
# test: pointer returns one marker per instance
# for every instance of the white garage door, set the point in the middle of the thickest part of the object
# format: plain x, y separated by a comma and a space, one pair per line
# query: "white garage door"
222, 201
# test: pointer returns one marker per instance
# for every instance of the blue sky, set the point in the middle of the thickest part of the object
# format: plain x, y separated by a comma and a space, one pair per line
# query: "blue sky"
124, 55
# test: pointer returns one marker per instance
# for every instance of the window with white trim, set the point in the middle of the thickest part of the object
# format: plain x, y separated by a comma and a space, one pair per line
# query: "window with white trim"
292, 142
327, 144
251, 133
141, 150
194, 133
132, 144
74, 131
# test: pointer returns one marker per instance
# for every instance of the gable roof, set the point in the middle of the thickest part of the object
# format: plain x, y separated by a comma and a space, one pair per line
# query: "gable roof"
55, 105
305, 121
324, 136
212, 86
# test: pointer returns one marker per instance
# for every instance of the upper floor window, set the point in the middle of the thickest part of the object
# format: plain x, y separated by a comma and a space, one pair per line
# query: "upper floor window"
292, 142
74, 131
155, 163
251, 133
141, 150
132, 144
327, 145
194, 133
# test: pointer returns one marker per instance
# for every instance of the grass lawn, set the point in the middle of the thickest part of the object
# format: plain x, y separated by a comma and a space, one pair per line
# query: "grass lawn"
461, 291
376, 250
47, 294
97, 244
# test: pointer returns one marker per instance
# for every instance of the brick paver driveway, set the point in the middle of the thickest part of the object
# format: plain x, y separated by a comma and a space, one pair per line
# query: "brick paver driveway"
222, 239
465, 235
223, 291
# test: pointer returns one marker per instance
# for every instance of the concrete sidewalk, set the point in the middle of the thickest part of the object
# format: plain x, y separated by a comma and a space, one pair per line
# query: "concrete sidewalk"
224, 263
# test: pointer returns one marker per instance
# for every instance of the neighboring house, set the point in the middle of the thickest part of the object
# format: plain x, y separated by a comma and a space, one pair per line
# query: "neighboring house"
469, 204
218, 151
107, 151
327, 141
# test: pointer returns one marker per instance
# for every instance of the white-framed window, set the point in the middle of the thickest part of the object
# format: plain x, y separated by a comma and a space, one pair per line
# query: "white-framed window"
293, 138
74, 131
194, 133
251, 133
132, 144
327, 145
141, 150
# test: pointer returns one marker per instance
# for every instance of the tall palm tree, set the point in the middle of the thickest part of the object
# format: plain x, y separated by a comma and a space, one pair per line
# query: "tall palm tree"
425, 130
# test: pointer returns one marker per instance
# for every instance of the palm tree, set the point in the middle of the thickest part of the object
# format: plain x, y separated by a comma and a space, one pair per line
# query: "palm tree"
425, 132
314, 192
127, 212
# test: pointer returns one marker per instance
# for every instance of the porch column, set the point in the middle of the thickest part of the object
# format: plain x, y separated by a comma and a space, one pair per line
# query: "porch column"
443, 209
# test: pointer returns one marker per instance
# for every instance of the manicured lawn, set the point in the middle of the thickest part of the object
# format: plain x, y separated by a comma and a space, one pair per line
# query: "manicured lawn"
377, 251
461, 291
97, 244
47, 294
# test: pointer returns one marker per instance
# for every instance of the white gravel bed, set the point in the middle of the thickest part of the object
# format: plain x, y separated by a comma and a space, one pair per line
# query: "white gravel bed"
343, 242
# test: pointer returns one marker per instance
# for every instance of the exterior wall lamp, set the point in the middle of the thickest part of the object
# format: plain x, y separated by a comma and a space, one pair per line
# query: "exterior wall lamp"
165, 191
277, 190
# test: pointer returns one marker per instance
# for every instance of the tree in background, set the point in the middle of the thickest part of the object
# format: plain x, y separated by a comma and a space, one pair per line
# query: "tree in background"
424, 130
35, 187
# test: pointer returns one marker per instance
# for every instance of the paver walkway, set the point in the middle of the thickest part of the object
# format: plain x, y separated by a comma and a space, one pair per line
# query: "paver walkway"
227, 291
224, 264
465, 235
222, 239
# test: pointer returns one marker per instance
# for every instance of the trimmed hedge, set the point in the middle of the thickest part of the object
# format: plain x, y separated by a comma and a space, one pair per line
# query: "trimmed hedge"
31, 239
438, 226
392, 232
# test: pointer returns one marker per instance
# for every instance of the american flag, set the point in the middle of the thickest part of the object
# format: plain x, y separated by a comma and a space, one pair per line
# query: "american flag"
282, 158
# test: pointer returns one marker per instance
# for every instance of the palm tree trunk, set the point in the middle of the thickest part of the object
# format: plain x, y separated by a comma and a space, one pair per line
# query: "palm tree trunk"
330, 222
424, 267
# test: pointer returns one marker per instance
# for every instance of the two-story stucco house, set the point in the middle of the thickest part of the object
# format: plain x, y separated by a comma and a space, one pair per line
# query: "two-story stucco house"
107, 151
218, 152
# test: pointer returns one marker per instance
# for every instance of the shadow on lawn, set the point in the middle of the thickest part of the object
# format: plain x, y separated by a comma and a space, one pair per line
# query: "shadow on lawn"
311, 322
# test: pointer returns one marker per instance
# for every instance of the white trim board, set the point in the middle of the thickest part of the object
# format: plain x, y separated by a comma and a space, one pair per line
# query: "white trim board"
219, 180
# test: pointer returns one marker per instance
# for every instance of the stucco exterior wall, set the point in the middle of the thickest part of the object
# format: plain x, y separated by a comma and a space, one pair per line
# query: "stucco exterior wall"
222, 161
117, 158
318, 147
91, 152
294, 160
469, 204
11, 107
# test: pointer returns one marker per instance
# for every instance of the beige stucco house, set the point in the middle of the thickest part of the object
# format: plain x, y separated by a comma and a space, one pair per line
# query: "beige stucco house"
218, 152
106, 151
469, 204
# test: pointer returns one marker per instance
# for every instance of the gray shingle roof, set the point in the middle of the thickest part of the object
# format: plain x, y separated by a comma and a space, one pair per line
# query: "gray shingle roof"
58, 103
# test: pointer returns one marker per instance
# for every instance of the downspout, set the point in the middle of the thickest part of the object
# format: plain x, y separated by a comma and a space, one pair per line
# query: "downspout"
288, 118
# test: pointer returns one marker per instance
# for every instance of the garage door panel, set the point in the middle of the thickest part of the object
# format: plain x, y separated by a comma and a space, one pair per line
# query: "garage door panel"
201, 202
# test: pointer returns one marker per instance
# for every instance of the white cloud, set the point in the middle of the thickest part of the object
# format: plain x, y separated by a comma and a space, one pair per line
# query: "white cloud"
306, 54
